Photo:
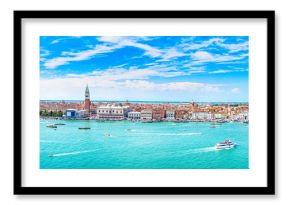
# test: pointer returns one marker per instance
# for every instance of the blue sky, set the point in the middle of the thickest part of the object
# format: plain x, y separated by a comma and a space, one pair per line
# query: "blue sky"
162, 68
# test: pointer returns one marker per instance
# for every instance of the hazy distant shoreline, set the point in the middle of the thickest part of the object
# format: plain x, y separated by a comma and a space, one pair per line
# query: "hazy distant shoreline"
149, 102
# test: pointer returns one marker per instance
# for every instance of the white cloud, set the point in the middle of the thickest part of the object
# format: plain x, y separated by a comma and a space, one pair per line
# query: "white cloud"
203, 44
196, 70
55, 41
228, 71
118, 42
240, 69
151, 51
130, 80
55, 62
44, 53
57, 87
203, 56
236, 90
111, 43
171, 53
120, 73
76, 56
220, 71
181, 86
235, 47
110, 39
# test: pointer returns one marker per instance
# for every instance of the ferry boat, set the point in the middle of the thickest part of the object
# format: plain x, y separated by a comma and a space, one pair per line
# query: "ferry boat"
227, 144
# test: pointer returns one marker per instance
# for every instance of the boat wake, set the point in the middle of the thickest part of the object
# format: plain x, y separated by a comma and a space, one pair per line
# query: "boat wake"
205, 149
70, 153
130, 130
181, 134
166, 134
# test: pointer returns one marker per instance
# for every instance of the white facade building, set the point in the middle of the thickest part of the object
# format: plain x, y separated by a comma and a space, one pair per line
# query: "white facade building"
201, 116
170, 115
112, 112
243, 116
83, 113
219, 116
134, 115
146, 115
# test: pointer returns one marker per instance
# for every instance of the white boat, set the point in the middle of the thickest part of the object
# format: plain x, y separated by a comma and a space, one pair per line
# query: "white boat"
227, 144
51, 126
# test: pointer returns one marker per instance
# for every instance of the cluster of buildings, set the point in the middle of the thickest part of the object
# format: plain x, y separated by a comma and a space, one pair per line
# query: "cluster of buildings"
147, 112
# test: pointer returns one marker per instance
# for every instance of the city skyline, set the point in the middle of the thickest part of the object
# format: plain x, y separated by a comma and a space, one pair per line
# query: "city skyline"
155, 68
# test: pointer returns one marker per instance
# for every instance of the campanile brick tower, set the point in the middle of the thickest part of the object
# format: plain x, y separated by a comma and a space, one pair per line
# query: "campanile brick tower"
87, 99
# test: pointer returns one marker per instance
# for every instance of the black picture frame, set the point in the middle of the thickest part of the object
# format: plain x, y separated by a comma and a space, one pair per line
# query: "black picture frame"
268, 190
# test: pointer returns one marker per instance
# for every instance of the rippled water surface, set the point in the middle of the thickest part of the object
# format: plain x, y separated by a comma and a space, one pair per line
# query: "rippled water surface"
136, 145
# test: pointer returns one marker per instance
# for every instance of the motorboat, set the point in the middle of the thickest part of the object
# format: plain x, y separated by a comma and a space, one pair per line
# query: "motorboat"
84, 128
227, 144
59, 124
51, 126
147, 121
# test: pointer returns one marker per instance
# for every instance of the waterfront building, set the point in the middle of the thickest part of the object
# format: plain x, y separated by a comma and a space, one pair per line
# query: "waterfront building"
134, 115
82, 113
181, 114
243, 116
170, 114
201, 116
146, 115
87, 99
71, 113
111, 112
218, 116
158, 114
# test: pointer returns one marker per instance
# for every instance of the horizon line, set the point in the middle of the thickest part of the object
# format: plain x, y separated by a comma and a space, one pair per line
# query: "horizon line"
149, 101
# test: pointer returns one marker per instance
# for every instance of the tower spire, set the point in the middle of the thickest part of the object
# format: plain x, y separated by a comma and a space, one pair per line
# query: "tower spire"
87, 92
87, 99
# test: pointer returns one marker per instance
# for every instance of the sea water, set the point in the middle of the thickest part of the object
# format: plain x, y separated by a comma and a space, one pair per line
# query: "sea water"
137, 145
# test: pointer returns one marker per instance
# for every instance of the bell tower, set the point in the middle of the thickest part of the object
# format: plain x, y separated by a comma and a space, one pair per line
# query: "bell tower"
87, 99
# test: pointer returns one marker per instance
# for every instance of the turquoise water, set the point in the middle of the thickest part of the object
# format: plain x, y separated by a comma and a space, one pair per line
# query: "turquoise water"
137, 145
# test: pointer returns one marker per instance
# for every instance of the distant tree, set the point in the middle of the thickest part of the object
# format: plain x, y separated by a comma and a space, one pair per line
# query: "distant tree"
43, 113
60, 113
